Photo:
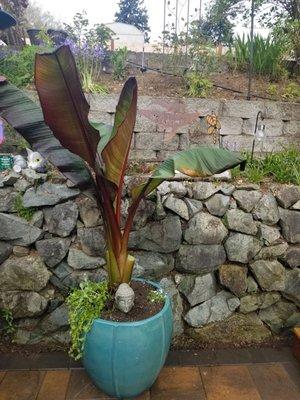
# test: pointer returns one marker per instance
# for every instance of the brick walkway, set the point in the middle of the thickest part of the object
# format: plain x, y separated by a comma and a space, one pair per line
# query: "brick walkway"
246, 374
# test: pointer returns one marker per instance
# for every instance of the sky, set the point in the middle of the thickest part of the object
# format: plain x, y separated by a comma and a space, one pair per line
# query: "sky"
102, 11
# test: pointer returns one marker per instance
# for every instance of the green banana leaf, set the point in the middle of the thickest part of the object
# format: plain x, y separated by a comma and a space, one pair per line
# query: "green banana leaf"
197, 162
26, 117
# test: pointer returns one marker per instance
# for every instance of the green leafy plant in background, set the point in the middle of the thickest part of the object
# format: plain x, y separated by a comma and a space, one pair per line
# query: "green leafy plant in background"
282, 167
26, 213
292, 91
18, 66
85, 304
198, 86
119, 63
6, 321
267, 56
272, 89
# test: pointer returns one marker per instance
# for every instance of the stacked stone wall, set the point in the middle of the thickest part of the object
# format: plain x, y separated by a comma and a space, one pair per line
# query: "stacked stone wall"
227, 254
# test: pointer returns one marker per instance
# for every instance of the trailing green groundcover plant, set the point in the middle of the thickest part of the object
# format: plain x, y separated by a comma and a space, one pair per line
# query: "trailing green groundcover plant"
100, 152
85, 304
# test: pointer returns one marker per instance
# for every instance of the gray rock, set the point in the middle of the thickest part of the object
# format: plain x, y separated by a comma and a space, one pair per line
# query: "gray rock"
20, 251
17, 230
53, 251
5, 251
246, 199
271, 252
277, 315
266, 210
58, 319
241, 248
234, 278
292, 286
204, 228
48, 194
76, 277
162, 236
238, 328
33, 176
7, 199
77, 259
10, 179
269, 234
176, 205
23, 304
248, 186
61, 219
200, 259
292, 256
26, 273
37, 219
22, 185
296, 206
218, 204
288, 195
215, 309
252, 286
62, 270
270, 275
170, 289
290, 225
177, 188
198, 289
159, 208
238, 220
124, 298
152, 265
145, 210
92, 240
227, 189
89, 212
194, 206
204, 190
253, 302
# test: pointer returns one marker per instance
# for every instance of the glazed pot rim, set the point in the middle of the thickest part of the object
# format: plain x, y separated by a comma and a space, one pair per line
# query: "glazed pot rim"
142, 321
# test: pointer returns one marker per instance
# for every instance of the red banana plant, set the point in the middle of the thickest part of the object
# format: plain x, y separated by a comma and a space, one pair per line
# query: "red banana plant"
103, 148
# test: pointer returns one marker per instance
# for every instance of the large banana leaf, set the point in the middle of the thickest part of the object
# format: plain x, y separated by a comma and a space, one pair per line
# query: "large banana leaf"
64, 105
197, 162
26, 117
115, 144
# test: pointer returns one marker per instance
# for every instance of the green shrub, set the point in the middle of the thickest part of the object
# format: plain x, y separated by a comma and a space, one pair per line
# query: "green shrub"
198, 86
18, 66
119, 62
85, 304
267, 56
292, 91
282, 167
272, 89
154, 296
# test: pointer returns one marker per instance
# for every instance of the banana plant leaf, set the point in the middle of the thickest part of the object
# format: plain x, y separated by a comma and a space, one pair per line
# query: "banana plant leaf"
26, 117
115, 145
197, 162
65, 107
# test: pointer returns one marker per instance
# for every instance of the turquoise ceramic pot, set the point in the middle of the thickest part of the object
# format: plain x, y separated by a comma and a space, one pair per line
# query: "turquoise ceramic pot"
124, 358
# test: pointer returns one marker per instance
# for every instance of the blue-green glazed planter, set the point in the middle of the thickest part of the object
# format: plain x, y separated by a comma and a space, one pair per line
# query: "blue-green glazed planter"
124, 358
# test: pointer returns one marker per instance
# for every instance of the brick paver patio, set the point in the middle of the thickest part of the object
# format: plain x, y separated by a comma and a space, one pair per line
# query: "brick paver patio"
246, 374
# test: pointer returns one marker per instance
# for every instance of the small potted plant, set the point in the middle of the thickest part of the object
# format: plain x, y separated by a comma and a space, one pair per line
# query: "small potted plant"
122, 356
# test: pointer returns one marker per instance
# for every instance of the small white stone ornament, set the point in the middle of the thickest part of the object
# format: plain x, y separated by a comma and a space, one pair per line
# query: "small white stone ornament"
124, 298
